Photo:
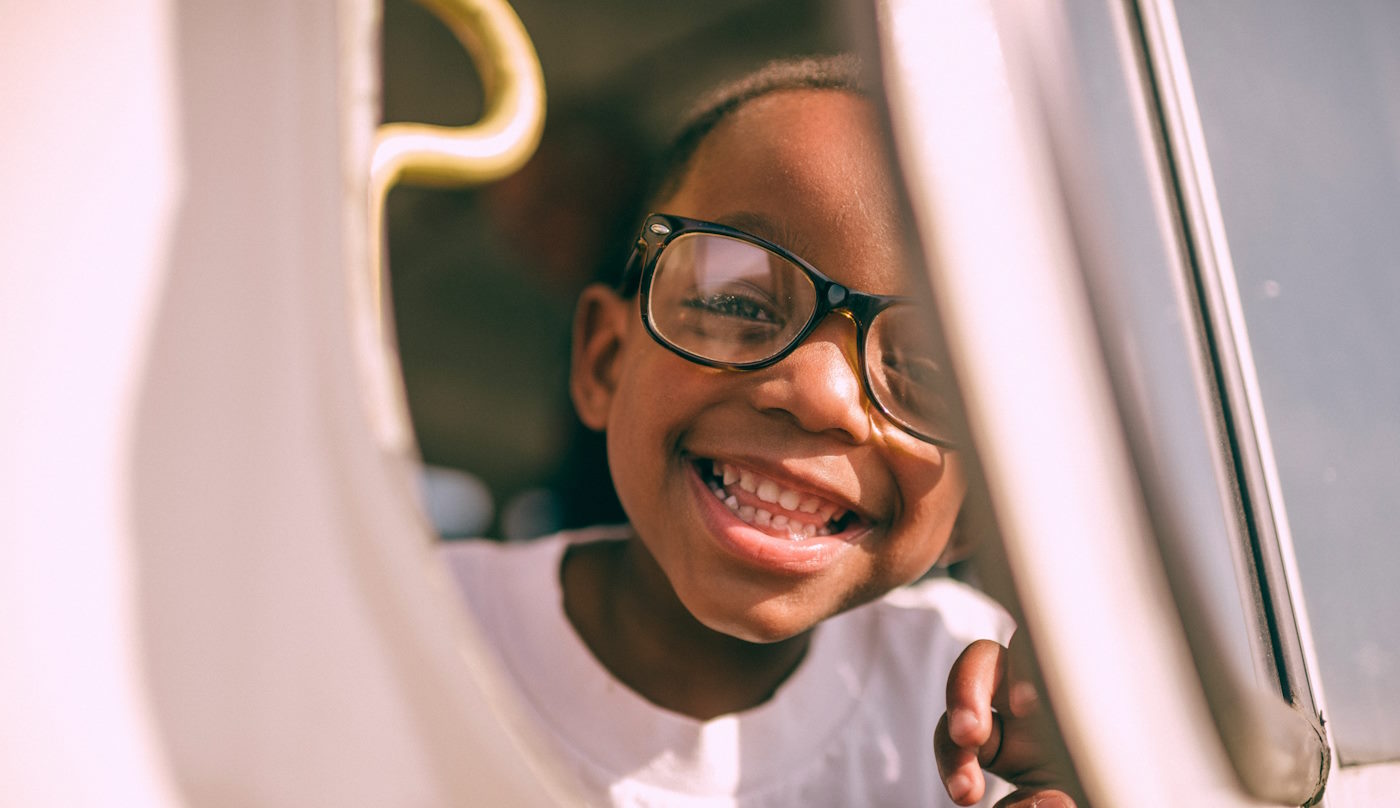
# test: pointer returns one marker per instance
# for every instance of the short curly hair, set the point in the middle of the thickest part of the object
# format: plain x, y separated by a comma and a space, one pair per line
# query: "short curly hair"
837, 72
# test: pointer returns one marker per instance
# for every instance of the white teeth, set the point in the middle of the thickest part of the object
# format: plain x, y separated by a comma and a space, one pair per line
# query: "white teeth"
748, 482
797, 531
769, 491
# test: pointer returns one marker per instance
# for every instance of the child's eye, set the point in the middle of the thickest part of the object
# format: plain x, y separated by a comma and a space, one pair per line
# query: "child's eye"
918, 381
915, 370
735, 305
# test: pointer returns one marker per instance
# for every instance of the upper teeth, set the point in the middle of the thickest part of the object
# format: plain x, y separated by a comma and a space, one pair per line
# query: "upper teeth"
770, 491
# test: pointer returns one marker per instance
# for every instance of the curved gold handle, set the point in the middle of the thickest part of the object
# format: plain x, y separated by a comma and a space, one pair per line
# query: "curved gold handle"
487, 150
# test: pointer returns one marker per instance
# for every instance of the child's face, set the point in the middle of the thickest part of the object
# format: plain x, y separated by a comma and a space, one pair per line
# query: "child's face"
804, 169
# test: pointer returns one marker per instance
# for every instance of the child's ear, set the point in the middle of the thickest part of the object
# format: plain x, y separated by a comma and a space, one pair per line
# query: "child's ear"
600, 324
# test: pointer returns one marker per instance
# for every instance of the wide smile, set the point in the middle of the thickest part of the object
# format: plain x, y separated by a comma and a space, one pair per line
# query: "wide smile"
765, 522
765, 503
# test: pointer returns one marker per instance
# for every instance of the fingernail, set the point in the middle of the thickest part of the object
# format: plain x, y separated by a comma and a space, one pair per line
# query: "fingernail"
1055, 801
958, 786
962, 723
1022, 697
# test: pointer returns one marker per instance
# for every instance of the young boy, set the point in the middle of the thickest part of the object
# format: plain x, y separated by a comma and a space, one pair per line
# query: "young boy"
781, 439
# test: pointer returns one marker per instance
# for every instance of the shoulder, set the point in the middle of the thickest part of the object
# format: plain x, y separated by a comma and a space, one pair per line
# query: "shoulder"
920, 629
488, 557
479, 565
494, 574
948, 606
863, 707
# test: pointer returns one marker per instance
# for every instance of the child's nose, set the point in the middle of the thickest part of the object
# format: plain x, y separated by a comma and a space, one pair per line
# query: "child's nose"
818, 384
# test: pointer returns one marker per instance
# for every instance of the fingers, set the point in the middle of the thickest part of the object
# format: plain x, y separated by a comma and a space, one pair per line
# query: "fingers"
961, 768
968, 735
962, 777
990, 724
1024, 798
973, 684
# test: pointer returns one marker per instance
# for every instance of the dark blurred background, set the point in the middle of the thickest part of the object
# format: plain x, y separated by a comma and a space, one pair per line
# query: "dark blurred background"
484, 280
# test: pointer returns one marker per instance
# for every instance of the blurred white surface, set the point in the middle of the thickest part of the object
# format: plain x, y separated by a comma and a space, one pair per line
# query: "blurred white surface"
216, 584
89, 175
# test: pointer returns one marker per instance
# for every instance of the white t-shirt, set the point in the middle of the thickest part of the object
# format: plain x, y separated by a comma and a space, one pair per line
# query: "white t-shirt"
852, 726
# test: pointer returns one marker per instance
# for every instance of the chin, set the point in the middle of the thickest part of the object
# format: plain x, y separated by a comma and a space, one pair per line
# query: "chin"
762, 624
761, 635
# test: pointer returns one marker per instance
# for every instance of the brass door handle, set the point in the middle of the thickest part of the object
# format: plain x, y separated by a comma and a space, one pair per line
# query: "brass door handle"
491, 148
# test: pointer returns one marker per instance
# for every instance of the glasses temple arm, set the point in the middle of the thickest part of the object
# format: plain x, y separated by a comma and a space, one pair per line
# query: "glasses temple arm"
632, 271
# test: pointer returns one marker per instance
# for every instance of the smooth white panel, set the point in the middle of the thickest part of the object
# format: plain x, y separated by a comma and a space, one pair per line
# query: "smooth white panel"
88, 176
216, 586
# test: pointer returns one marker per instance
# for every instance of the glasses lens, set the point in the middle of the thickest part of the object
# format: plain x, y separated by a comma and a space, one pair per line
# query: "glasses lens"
907, 377
728, 300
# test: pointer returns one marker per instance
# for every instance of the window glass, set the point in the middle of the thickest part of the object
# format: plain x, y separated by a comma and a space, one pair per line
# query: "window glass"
1300, 103
1145, 315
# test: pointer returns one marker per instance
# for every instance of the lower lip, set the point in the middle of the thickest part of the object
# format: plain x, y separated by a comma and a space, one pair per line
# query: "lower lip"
761, 549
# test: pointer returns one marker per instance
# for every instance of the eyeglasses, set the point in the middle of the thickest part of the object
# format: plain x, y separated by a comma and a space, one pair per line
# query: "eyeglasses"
723, 298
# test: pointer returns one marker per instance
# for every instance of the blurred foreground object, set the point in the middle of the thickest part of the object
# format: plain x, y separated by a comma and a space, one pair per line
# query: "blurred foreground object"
216, 584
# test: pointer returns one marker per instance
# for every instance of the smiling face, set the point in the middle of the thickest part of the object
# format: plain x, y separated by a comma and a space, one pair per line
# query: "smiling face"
772, 499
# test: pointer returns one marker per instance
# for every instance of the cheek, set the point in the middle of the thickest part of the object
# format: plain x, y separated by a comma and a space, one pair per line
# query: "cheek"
932, 494
657, 399
632, 428
661, 394
930, 479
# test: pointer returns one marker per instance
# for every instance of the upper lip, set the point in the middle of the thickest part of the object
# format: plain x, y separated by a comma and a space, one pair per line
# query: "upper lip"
841, 492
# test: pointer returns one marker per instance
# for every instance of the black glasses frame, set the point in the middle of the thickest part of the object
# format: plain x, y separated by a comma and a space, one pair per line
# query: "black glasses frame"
660, 229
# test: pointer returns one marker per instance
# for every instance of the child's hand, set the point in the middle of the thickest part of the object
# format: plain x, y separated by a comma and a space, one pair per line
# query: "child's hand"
1007, 742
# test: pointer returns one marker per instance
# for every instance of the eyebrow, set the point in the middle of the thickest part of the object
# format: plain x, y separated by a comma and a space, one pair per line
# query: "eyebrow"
767, 229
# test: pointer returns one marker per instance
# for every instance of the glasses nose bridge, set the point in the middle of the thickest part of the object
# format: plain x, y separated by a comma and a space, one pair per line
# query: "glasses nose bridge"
846, 311
849, 303
848, 345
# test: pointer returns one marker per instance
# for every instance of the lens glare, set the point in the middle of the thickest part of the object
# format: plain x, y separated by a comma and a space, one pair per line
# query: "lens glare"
907, 377
728, 300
